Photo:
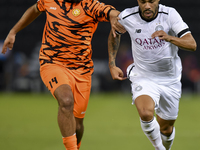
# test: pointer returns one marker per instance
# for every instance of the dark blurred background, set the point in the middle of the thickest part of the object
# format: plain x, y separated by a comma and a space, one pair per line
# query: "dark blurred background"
19, 68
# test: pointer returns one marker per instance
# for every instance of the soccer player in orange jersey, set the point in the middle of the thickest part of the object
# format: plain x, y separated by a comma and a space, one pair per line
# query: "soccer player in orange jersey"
65, 56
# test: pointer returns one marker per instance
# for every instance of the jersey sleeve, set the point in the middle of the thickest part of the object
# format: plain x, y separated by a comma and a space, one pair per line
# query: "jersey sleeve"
100, 11
177, 24
40, 5
121, 20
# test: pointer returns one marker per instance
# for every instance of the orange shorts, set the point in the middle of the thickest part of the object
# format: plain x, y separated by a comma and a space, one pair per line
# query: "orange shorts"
54, 75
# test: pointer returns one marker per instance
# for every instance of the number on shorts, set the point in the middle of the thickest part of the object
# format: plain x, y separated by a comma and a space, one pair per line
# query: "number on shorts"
53, 80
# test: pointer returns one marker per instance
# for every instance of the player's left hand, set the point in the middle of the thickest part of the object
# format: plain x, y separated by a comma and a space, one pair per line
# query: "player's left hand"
161, 35
117, 73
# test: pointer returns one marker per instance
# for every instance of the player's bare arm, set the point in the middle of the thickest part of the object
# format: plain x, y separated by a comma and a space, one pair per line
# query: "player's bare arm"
115, 25
186, 42
30, 15
113, 46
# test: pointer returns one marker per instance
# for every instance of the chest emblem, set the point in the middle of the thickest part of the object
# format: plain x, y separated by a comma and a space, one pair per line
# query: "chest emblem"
76, 12
159, 27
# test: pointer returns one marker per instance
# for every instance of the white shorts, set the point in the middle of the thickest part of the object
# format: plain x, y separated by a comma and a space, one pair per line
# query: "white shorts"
166, 97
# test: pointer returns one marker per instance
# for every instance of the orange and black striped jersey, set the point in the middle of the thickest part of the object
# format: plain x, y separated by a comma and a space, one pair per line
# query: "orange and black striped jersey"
69, 30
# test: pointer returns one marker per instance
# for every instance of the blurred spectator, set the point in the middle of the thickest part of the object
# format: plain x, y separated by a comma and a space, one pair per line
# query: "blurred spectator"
5, 74
35, 82
191, 73
124, 58
20, 74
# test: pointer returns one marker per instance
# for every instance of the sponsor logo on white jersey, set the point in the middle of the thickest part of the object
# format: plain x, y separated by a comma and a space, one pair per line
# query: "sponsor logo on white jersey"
149, 43
138, 30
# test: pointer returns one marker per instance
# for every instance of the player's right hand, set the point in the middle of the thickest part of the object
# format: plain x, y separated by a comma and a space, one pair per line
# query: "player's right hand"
8, 43
117, 73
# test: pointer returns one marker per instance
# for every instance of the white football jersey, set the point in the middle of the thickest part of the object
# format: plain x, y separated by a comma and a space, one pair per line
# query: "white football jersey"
155, 58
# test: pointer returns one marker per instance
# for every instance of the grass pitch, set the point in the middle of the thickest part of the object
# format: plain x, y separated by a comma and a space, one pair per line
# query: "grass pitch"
29, 122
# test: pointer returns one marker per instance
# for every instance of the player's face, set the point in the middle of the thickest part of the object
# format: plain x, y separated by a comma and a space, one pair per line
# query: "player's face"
148, 8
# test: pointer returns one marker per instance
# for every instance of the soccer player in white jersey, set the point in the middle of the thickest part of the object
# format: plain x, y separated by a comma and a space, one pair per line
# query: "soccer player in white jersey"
156, 32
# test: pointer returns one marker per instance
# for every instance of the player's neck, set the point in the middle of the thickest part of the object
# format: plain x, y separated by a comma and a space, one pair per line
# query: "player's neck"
149, 20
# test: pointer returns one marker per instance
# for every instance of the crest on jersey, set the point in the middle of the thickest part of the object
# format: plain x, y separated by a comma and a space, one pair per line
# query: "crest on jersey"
159, 27
76, 12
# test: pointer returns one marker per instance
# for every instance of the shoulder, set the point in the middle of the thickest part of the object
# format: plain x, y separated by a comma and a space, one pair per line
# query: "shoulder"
44, 2
166, 10
129, 12
91, 2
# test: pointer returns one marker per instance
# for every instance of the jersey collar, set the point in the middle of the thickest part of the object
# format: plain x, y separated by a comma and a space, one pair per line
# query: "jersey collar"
146, 19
